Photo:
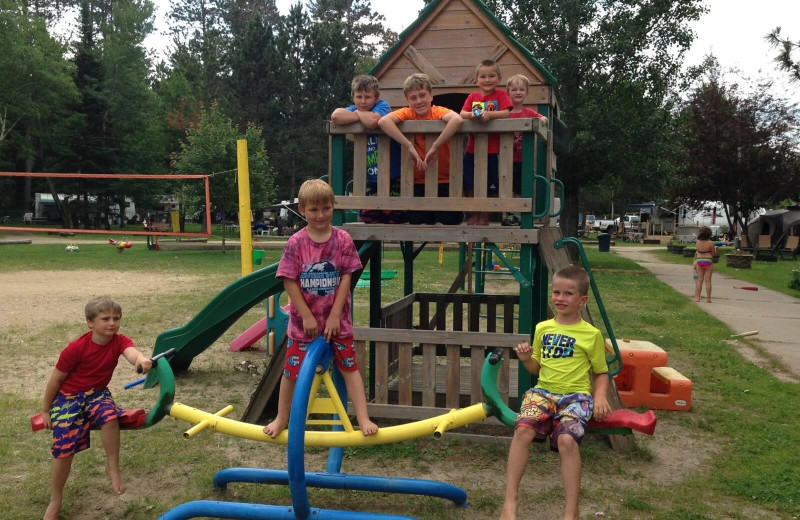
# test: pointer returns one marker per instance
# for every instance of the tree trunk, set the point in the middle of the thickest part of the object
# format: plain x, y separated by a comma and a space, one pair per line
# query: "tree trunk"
224, 220
63, 209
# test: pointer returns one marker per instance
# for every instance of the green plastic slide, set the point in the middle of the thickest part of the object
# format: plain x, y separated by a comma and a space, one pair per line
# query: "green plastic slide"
215, 318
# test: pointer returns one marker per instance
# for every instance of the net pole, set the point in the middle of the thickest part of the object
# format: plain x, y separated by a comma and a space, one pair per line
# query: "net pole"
245, 234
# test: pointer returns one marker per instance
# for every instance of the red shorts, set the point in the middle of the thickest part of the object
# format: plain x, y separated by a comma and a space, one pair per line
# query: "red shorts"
344, 356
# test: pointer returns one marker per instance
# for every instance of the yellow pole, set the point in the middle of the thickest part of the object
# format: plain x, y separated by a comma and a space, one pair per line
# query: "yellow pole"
441, 253
245, 235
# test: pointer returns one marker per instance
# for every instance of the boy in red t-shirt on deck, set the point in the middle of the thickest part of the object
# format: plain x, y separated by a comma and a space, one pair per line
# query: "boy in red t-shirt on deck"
489, 103
77, 398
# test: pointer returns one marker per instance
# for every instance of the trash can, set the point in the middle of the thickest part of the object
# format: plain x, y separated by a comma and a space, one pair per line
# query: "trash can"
604, 242
258, 256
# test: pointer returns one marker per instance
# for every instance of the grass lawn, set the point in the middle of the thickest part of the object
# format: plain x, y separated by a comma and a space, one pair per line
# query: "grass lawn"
731, 457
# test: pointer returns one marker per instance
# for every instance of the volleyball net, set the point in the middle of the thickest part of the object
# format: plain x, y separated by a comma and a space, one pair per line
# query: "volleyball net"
106, 203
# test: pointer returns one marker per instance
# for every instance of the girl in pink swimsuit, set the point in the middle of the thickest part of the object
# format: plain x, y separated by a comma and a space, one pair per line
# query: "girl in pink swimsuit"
703, 265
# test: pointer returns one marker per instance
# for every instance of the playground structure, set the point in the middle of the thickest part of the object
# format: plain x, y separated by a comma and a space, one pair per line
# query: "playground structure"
306, 404
430, 375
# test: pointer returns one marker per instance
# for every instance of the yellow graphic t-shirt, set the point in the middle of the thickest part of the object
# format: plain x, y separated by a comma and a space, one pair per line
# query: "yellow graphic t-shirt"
565, 353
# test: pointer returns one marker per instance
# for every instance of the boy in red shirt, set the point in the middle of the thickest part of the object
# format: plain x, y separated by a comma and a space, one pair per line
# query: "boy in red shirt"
419, 94
517, 86
484, 105
77, 398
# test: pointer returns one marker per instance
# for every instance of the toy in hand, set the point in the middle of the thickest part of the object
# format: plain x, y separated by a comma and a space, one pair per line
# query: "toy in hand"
120, 244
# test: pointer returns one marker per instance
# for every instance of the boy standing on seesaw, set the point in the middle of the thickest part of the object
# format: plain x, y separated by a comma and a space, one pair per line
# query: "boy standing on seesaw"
565, 348
486, 104
77, 397
367, 109
316, 269
419, 94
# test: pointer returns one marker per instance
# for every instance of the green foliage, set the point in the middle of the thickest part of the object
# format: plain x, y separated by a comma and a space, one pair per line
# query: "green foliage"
210, 148
785, 59
741, 147
617, 64
794, 281
37, 91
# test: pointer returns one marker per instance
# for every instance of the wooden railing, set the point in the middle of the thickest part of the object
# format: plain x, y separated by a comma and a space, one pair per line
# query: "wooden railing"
536, 140
421, 367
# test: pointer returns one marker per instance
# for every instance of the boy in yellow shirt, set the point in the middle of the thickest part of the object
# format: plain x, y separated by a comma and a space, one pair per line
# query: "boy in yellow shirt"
564, 349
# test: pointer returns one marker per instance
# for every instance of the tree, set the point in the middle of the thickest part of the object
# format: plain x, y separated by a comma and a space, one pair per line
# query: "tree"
741, 149
199, 34
210, 147
359, 24
785, 59
36, 91
617, 63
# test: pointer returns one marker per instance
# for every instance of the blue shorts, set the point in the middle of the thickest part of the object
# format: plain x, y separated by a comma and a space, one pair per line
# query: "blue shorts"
73, 415
555, 414
469, 173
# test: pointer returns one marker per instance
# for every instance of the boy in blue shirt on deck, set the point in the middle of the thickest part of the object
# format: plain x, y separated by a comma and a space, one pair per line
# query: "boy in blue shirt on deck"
367, 109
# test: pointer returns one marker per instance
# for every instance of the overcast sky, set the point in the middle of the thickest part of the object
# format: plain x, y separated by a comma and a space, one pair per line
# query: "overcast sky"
733, 30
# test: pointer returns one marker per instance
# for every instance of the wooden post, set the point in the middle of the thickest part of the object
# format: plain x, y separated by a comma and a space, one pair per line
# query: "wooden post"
245, 218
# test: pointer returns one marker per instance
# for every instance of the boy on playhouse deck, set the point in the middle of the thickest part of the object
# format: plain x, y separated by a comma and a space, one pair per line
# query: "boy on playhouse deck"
77, 397
316, 269
486, 104
565, 348
419, 94
367, 109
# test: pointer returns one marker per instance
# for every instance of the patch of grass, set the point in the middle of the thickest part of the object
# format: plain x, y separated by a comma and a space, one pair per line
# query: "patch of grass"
636, 503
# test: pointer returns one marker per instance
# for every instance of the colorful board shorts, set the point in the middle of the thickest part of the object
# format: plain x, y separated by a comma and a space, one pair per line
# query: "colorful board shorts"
704, 263
344, 356
73, 415
555, 414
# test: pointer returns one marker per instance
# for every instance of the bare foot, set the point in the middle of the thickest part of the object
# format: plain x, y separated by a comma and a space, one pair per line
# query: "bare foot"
274, 428
709, 300
695, 300
368, 427
116, 480
52, 510
509, 511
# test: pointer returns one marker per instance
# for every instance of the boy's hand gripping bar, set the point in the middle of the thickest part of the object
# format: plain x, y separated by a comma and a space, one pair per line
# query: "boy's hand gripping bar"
167, 353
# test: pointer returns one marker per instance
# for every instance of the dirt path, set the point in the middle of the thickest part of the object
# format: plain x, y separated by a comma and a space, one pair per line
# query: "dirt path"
773, 314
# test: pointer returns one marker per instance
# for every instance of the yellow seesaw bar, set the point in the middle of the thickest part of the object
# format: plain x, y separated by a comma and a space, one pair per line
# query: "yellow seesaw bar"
435, 426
